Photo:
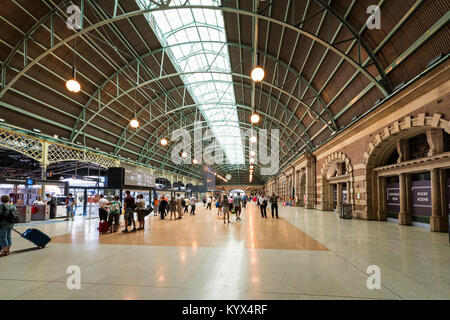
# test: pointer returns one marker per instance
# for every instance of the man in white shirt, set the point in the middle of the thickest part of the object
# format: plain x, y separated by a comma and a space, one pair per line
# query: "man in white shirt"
208, 203
192, 202
103, 208
262, 201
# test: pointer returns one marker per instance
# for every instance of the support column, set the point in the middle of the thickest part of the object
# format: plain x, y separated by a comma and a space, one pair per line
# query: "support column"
339, 198
404, 217
382, 214
310, 181
438, 221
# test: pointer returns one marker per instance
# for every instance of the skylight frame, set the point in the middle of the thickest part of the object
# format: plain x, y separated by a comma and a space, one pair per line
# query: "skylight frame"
202, 58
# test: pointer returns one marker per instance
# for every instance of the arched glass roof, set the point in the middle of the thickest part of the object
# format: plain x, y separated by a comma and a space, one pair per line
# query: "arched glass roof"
179, 26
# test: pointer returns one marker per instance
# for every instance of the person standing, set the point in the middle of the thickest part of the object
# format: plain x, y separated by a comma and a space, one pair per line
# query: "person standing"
244, 200
179, 206
225, 209
140, 210
219, 206
114, 214
155, 205
8, 216
103, 208
129, 204
185, 205
70, 206
262, 206
163, 204
51, 201
237, 206
208, 203
274, 204
173, 208
193, 200
38, 202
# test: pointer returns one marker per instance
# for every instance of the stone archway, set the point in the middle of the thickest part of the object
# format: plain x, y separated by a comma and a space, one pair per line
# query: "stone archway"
383, 144
337, 170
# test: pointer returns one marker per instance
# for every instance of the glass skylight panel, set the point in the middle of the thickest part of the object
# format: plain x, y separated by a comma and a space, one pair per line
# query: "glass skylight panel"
191, 34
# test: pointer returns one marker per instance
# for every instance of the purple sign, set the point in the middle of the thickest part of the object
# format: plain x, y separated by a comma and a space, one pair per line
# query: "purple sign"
421, 197
392, 197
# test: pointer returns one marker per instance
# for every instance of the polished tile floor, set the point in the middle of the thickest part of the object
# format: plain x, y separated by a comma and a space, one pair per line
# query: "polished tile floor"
306, 254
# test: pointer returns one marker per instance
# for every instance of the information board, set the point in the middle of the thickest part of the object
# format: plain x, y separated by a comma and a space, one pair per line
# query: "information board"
393, 197
136, 177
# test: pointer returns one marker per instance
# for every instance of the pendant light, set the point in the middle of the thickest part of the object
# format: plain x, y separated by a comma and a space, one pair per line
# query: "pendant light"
72, 84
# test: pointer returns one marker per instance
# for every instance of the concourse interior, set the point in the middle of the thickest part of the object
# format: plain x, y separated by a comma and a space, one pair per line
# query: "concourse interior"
306, 254
115, 115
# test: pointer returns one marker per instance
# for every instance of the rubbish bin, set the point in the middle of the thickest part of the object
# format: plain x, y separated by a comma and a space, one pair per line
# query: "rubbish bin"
346, 211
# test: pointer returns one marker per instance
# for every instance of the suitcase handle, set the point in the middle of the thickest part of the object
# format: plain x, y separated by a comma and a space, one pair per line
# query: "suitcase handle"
16, 231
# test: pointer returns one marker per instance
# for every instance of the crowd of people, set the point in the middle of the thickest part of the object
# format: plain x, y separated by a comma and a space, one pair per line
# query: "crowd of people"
109, 211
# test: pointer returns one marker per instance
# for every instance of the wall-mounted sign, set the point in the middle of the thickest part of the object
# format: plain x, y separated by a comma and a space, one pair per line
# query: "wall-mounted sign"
137, 177
421, 197
30, 182
393, 197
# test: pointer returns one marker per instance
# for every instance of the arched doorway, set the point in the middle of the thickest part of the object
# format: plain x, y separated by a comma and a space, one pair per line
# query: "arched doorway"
337, 182
407, 169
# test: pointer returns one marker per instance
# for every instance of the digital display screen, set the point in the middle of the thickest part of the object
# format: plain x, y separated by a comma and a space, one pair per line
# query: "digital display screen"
136, 177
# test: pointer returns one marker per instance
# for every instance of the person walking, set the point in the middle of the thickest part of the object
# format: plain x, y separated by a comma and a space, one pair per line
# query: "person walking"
51, 201
274, 204
114, 214
179, 206
71, 202
8, 216
185, 205
225, 209
163, 204
262, 206
208, 203
140, 210
129, 205
244, 200
193, 200
173, 208
237, 206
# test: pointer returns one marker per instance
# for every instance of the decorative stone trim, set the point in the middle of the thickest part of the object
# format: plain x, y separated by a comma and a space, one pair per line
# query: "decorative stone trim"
422, 120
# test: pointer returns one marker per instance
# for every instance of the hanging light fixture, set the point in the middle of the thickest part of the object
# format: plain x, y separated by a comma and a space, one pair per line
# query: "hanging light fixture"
72, 84
253, 139
194, 161
254, 118
134, 123
252, 153
163, 141
184, 154
258, 74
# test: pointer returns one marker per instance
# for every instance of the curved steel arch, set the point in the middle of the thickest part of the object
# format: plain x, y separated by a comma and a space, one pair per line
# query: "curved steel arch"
135, 61
168, 151
362, 43
169, 128
308, 142
187, 73
225, 9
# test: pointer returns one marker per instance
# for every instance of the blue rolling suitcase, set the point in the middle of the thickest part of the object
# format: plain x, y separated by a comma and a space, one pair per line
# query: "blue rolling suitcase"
36, 236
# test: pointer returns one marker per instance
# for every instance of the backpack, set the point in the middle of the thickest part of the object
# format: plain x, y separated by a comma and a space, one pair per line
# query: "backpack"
115, 207
183, 203
10, 216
